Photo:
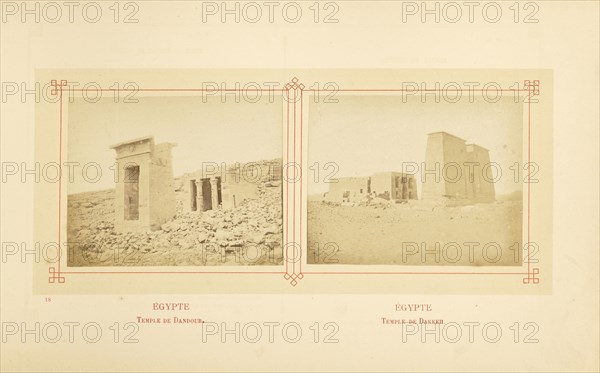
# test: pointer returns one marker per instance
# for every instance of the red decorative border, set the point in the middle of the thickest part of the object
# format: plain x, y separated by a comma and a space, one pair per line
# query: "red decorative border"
293, 270
294, 91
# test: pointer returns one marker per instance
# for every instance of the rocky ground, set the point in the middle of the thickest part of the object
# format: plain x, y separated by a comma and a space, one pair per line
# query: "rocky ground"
390, 233
250, 234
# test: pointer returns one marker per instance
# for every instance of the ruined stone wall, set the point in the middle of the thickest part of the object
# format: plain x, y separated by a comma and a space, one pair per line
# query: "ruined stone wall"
385, 185
404, 186
394, 185
382, 185
413, 187
239, 182
348, 189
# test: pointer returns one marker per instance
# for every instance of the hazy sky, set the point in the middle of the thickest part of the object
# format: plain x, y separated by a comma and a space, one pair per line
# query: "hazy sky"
367, 134
204, 132
361, 134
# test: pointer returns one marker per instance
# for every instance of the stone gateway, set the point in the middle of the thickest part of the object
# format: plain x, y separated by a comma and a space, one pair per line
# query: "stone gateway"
144, 194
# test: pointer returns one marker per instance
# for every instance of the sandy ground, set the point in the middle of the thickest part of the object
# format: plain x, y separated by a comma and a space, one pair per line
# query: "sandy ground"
249, 234
415, 233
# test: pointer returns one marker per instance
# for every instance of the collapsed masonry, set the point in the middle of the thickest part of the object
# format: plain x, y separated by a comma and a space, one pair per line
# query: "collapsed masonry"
144, 194
456, 172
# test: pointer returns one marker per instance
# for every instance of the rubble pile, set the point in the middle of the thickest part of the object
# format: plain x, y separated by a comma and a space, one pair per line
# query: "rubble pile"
250, 234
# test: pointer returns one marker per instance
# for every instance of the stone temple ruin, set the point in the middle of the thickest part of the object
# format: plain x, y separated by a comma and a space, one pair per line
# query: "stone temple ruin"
456, 171
145, 191
207, 194
235, 183
144, 195
387, 185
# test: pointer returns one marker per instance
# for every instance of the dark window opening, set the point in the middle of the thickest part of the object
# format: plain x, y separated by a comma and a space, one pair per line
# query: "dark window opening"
132, 192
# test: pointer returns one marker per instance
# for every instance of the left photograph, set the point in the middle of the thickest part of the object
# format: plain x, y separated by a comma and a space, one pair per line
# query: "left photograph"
175, 181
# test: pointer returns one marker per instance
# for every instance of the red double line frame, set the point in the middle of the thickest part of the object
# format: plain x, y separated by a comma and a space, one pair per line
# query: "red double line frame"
294, 91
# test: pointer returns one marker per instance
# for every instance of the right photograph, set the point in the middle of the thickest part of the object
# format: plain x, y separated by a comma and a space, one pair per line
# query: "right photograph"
418, 180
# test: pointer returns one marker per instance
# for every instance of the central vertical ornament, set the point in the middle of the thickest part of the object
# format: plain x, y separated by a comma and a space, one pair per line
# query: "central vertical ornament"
292, 174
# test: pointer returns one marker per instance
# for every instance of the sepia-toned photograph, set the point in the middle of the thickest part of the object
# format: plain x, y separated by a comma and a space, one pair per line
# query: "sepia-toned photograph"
300, 186
175, 181
401, 180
